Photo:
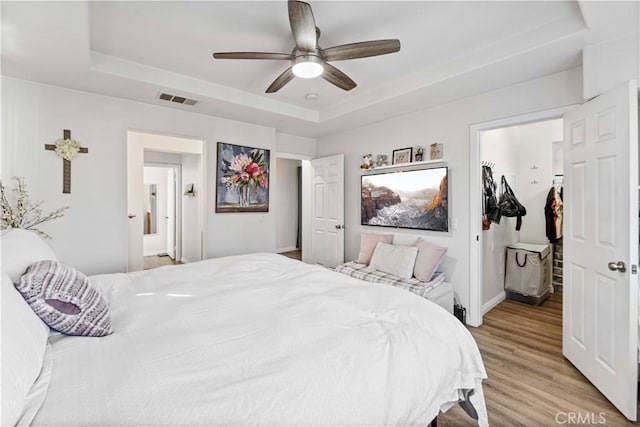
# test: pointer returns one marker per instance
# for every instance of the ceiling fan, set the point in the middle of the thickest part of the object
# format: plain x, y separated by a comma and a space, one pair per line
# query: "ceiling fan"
308, 59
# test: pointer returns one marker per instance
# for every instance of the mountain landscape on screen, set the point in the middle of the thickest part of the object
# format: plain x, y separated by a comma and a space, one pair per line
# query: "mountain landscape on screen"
414, 199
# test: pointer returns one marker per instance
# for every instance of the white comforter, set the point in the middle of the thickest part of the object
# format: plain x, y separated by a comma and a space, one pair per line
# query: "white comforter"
261, 340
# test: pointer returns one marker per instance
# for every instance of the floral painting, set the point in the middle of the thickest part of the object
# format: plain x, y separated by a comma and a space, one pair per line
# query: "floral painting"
242, 179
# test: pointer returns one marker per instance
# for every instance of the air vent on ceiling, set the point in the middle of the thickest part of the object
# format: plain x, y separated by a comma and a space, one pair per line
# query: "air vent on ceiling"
177, 99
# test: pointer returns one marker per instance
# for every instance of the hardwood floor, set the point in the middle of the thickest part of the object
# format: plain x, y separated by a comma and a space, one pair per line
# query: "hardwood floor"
297, 254
158, 261
530, 382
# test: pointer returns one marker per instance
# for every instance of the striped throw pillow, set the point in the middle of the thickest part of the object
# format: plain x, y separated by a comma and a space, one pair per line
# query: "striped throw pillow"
65, 299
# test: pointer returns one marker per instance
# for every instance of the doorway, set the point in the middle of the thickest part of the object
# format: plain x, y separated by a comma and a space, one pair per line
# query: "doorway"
600, 299
526, 156
179, 163
292, 193
162, 223
482, 300
288, 188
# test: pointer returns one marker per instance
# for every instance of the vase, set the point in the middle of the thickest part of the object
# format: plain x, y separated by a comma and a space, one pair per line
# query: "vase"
245, 196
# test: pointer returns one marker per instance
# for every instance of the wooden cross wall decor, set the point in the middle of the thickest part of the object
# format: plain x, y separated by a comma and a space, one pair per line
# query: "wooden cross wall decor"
66, 164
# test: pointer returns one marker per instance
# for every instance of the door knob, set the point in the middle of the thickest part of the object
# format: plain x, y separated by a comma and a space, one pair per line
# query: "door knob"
339, 226
131, 216
617, 266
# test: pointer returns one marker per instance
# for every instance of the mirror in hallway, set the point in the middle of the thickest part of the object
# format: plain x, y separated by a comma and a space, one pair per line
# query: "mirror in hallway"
151, 209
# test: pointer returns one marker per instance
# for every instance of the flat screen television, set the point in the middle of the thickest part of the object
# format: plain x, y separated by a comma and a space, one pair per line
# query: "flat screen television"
416, 199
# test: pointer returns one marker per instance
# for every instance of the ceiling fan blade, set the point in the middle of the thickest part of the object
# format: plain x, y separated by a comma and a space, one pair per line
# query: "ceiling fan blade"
361, 49
337, 77
303, 26
280, 81
251, 55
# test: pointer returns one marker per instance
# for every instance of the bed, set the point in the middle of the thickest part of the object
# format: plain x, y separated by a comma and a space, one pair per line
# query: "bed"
436, 290
256, 340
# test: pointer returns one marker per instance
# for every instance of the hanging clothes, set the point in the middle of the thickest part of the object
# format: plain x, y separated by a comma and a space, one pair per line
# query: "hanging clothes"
553, 213
490, 210
559, 213
549, 215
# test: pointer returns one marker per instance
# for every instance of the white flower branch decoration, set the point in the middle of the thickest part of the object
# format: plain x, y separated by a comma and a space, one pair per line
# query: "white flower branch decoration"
67, 148
24, 214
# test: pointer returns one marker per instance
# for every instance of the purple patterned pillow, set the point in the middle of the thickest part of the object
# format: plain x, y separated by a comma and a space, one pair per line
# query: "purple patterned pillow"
65, 299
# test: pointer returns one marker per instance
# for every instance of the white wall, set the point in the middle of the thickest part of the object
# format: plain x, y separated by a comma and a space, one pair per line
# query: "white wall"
293, 144
501, 147
240, 233
287, 201
191, 218
610, 64
536, 150
156, 243
151, 156
447, 124
557, 158
35, 114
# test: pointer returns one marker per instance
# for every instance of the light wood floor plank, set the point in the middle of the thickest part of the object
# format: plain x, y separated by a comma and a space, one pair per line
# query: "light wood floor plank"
158, 261
297, 254
530, 381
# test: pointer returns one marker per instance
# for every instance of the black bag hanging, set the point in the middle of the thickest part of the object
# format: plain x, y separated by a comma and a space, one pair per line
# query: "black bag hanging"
491, 209
509, 204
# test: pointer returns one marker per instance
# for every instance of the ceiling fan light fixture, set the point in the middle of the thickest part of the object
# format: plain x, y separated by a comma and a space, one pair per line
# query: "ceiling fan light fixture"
308, 59
307, 66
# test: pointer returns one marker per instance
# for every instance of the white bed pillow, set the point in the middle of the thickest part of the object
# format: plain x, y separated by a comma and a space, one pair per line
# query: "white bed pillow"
24, 342
396, 260
368, 242
20, 249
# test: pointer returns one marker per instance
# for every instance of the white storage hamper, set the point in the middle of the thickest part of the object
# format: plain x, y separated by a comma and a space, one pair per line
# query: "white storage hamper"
527, 273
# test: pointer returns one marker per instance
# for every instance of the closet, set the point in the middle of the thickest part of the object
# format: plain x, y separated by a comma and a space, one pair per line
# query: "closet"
530, 158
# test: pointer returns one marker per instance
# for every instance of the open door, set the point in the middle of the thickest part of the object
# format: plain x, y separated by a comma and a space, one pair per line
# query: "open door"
327, 207
600, 296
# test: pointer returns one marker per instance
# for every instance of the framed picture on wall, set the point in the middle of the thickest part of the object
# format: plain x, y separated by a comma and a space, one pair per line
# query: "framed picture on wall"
403, 155
436, 151
242, 179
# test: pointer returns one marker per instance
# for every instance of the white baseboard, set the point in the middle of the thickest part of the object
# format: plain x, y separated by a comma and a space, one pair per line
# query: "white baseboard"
184, 260
493, 302
289, 249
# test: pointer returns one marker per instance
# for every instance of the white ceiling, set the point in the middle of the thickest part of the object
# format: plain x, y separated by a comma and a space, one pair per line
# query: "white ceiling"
135, 50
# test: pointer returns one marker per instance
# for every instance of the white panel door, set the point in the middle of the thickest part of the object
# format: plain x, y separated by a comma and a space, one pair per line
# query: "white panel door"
600, 297
327, 210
